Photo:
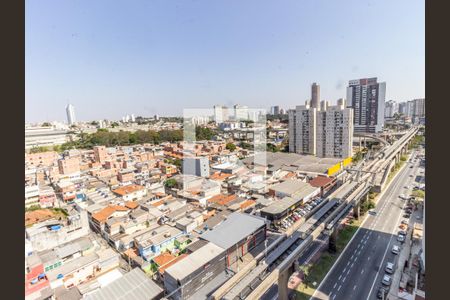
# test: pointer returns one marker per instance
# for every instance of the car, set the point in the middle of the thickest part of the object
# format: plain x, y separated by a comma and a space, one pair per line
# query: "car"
401, 238
402, 232
407, 216
395, 249
372, 212
402, 196
389, 268
405, 222
387, 280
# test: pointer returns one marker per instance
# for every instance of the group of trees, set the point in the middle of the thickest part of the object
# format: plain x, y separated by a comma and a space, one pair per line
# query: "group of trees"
122, 138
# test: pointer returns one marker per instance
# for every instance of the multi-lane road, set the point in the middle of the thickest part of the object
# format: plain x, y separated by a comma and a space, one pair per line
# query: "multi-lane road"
359, 270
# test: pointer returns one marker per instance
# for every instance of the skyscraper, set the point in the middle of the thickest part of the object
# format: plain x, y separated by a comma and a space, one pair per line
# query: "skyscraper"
70, 112
315, 95
366, 96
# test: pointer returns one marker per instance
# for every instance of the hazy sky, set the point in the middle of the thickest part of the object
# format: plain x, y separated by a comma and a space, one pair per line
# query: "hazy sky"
111, 58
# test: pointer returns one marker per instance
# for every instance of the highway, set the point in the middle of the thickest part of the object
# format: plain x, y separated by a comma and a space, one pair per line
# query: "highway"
358, 272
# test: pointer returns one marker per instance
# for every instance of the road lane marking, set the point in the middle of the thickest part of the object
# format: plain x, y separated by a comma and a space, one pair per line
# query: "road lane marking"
334, 285
348, 271
385, 252
340, 277
344, 279
334, 296
362, 271
339, 287
381, 195
352, 265
354, 287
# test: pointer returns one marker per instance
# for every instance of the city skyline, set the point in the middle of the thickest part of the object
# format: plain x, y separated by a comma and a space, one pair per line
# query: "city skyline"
200, 54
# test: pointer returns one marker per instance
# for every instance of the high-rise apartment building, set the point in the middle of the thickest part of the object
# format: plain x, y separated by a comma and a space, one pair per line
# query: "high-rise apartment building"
367, 96
419, 108
275, 110
240, 112
391, 108
334, 133
402, 108
302, 129
315, 95
70, 112
327, 132
220, 114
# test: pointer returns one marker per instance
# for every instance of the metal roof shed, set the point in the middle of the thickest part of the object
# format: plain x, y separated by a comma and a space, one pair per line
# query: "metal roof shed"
133, 285
234, 229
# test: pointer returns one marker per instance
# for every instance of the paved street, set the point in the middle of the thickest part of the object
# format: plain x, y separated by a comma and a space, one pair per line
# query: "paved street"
358, 272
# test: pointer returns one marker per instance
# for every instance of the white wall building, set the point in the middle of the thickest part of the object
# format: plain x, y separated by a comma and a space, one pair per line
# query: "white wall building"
220, 114
334, 132
240, 112
302, 130
327, 132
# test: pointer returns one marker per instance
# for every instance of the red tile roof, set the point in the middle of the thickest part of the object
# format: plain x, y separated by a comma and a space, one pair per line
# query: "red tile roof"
125, 190
320, 181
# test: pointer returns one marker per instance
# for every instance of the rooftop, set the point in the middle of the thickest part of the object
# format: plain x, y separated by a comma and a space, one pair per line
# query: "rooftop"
320, 181
234, 229
294, 187
125, 190
133, 285
194, 261
280, 206
105, 213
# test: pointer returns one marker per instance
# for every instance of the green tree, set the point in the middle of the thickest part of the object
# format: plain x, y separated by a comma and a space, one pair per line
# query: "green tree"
230, 146
39, 149
170, 183
271, 147
204, 133
46, 124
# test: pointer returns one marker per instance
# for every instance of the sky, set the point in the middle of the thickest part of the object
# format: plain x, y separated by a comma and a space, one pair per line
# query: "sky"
110, 58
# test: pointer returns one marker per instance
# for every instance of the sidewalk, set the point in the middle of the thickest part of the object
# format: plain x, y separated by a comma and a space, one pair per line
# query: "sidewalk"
408, 250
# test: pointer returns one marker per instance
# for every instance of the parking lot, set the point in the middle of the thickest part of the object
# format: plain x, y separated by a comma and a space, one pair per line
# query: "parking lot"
298, 214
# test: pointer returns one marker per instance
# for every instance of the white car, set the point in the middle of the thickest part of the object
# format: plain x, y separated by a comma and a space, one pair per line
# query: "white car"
400, 238
386, 280
389, 268
396, 249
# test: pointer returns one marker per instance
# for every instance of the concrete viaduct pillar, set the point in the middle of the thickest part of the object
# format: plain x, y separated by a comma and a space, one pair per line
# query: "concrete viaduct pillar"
283, 279
356, 211
332, 241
